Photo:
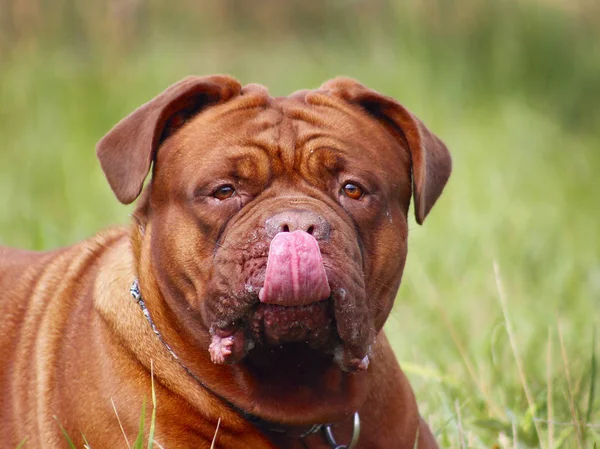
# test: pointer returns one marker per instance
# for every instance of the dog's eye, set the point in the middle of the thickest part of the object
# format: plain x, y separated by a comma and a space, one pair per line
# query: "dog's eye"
353, 191
224, 192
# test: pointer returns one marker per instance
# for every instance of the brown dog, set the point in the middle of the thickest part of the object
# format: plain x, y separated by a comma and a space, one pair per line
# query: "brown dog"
263, 261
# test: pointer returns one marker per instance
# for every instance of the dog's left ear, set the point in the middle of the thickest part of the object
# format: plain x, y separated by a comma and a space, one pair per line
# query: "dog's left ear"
128, 150
431, 162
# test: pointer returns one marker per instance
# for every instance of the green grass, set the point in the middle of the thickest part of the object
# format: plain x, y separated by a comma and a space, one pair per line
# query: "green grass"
495, 320
141, 434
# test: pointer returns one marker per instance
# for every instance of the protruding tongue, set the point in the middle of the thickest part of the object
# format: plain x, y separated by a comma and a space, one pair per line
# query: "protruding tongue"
295, 273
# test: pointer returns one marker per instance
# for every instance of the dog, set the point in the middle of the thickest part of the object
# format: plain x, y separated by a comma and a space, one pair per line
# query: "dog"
245, 302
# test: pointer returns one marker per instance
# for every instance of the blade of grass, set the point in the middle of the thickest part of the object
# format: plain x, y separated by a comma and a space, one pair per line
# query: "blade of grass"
86, 445
120, 424
139, 441
592, 392
22, 443
214, 440
461, 435
515, 437
416, 444
570, 397
550, 403
563, 436
65, 434
515, 349
153, 419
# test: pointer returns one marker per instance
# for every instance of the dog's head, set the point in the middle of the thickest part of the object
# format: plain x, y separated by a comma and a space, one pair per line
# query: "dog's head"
278, 225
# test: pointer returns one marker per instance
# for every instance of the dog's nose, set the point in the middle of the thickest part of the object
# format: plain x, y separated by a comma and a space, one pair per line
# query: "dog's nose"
298, 220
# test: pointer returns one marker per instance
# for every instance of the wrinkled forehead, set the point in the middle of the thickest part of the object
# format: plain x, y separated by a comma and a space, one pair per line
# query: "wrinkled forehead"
319, 115
286, 126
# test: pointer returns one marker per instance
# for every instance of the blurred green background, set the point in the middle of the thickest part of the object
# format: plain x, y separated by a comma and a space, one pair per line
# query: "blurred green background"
495, 319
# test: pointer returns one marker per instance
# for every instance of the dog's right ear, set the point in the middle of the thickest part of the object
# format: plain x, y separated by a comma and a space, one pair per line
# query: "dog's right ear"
128, 150
430, 159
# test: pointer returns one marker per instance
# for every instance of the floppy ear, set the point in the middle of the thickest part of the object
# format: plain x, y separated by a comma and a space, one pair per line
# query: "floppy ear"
127, 151
431, 162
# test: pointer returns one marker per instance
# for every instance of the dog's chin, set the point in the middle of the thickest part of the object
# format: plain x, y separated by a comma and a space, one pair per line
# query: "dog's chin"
274, 325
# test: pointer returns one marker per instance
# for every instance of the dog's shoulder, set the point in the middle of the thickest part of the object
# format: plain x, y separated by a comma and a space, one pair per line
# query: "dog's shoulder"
20, 269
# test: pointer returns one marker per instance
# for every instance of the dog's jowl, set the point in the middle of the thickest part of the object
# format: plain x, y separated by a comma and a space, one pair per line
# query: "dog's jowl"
249, 292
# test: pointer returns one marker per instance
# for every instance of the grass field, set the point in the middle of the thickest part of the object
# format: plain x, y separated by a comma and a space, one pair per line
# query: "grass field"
496, 316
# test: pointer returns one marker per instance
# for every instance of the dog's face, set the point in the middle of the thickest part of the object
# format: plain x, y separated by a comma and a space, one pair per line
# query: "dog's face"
277, 225
237, 180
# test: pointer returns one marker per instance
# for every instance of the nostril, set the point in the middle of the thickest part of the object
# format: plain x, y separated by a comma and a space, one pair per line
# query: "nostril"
298, 220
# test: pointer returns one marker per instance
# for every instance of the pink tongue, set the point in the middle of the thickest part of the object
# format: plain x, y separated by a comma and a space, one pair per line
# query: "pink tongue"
295, 273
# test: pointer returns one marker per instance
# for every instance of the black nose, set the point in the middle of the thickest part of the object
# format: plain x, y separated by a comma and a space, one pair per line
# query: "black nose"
298, 220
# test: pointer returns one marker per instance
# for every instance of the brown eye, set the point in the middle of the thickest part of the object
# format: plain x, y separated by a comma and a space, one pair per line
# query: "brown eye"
353, 191
224, 192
